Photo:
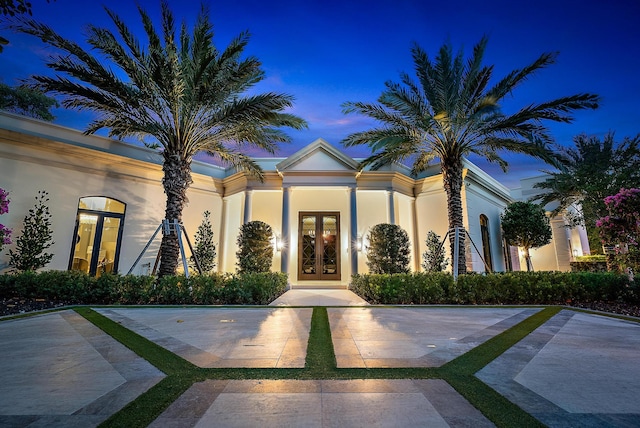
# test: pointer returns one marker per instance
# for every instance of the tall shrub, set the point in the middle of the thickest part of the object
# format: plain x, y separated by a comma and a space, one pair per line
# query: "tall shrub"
205, 249
36, 237
388, 250
255, 253
434, 259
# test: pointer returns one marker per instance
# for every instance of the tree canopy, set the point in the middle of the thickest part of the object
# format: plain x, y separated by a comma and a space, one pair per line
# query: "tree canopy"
589, 172
450, 111
526, 225
27, 102
177, 89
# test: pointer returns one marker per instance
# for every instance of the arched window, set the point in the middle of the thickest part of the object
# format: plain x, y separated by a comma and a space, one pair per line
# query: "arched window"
486, 242
98, 234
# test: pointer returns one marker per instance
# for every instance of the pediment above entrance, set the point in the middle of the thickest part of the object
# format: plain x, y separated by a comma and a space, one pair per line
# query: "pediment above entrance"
318, 156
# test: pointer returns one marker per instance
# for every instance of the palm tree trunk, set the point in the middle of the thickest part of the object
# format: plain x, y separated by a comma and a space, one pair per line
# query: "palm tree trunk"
452, 178
176, 181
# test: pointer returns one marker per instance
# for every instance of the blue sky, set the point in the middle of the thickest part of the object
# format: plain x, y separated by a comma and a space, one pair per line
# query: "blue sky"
327, 52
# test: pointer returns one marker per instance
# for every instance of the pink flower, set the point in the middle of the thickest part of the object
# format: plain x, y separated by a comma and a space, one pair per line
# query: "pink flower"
4, 201
5, 234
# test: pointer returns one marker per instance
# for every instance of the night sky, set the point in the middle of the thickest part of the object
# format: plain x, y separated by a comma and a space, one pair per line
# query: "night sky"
327, 52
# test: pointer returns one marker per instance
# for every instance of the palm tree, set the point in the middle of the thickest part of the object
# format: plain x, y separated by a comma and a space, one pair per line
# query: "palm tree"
181, 92
590, 171
451, 112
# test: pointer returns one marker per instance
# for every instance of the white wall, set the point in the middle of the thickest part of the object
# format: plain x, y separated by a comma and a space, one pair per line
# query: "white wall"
266, 206
372, 210
479, 202
233, 217
405, 219
67, 179
431, 214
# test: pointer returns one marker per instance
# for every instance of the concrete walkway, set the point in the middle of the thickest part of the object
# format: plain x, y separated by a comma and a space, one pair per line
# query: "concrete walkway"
318, 297
576, 370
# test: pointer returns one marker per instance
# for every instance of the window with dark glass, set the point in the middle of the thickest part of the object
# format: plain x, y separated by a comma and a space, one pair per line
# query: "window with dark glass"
486, 242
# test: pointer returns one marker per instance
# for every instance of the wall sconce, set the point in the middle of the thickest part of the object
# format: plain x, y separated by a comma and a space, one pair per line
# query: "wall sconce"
279, 243
359, 243
575, 252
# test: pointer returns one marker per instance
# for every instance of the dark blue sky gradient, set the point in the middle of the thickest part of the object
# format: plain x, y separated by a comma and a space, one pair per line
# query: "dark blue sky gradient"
328, 52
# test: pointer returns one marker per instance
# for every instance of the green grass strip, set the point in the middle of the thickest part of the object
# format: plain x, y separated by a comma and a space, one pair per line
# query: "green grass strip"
502, 412
320, 364
460, 374
474, 360
166, 361
321, 359
181, 374
147, 407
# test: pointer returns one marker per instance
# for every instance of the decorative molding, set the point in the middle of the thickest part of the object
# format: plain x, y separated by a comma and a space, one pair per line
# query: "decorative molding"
386, 180
318, 146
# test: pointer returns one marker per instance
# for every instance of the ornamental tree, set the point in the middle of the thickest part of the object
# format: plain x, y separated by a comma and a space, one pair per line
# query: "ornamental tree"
36, 237
388, 250
434, 259
205, 249
525, 225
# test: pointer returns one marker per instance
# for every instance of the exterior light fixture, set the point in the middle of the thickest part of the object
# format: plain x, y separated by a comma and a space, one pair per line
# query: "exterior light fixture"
359, 243
279, 244
575, 252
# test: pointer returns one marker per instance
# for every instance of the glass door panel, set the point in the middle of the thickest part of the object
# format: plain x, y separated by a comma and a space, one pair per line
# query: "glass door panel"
308, 245
330, 250
84, 242
108, 241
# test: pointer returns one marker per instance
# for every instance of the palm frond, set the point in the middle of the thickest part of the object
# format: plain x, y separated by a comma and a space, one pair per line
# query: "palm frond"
518, 76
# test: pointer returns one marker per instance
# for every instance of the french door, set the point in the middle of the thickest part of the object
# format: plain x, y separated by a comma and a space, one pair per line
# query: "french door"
319, 246
98, 234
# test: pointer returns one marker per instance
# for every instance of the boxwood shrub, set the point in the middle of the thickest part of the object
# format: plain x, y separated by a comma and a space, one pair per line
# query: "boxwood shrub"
75, 287
515, 288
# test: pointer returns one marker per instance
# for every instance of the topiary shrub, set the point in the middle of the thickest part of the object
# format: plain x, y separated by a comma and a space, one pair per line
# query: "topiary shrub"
255, 252
388, 250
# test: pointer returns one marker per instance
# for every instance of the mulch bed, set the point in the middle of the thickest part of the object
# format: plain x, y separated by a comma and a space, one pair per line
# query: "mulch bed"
21, 306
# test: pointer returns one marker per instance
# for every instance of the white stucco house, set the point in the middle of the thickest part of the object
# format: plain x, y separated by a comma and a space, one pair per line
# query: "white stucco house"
106, 201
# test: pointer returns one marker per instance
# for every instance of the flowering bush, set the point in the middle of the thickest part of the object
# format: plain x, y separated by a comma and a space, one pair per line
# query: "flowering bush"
5, 232
622, 225
621, 229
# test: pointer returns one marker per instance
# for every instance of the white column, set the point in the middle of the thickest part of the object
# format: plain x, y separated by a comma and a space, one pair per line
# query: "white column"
416, 235
354, 229
247, 206
392, 208
284, 255
221, 247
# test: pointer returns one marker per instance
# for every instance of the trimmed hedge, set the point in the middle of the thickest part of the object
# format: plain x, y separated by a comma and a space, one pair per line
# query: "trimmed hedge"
75, 287
512, 288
